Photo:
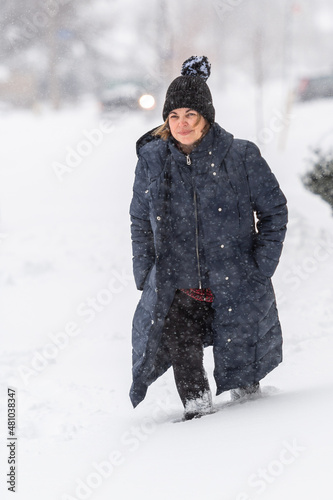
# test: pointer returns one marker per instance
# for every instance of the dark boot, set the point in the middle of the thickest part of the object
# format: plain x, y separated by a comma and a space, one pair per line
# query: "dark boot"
242, 392
196, 408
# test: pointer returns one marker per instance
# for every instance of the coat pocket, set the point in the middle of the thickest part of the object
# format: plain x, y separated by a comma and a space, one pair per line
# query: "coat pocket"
256, 282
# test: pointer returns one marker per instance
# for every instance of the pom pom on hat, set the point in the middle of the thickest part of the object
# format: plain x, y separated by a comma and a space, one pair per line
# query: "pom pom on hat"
196, 66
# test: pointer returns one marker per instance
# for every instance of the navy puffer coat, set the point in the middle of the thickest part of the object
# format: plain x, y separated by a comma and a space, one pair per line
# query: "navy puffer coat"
192, 226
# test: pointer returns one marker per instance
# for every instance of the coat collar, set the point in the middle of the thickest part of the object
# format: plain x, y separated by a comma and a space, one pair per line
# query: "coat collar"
216, 143
217, 140
145, 139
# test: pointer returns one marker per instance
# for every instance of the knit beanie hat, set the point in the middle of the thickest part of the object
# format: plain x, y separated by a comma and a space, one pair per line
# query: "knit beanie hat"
191, 90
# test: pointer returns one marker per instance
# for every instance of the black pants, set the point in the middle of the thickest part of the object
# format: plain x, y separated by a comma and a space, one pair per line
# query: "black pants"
187, 324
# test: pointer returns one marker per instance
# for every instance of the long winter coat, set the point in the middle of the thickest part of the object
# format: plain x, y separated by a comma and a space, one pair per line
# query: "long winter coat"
193, 225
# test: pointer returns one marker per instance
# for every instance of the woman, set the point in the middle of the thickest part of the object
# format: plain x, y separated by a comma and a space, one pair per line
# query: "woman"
202, 262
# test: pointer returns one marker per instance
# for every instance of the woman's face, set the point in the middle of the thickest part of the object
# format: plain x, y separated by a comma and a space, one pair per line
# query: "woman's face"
185, 126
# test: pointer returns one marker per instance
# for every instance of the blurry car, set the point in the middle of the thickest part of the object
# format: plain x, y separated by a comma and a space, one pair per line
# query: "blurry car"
315, 88
128, 95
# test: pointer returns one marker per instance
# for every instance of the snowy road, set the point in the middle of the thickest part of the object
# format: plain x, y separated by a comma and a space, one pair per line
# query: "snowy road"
67, 299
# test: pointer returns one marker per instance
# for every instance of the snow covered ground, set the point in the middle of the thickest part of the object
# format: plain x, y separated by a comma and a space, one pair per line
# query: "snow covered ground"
67, 299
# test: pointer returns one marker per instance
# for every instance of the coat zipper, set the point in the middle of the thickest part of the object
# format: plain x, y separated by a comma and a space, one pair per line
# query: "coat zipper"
188, 161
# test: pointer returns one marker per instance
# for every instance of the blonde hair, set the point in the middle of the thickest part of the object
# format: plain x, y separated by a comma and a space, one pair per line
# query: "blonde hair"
163, 131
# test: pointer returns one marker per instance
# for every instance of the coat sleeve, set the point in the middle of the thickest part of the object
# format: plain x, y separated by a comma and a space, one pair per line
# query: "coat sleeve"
270, 206
141, 231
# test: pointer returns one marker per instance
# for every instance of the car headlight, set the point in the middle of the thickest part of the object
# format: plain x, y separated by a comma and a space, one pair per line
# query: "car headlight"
147, 101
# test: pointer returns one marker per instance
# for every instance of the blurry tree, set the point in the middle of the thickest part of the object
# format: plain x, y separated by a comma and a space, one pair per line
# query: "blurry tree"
319, 180
60, 42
